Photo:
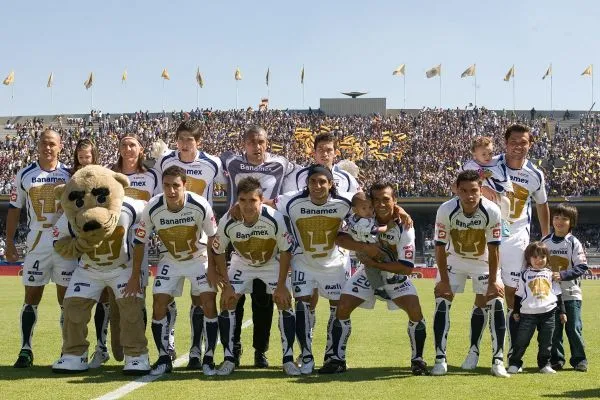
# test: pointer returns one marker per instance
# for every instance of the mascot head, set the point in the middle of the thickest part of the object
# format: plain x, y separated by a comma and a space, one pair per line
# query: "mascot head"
92, 201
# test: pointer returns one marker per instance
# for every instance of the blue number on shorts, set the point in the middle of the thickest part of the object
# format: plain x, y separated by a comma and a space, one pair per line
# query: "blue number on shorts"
164, 270
36, 265
298, 276
362, 280
237, 275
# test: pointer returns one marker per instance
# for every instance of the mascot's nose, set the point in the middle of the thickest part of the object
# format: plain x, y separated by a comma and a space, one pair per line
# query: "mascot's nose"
91, 225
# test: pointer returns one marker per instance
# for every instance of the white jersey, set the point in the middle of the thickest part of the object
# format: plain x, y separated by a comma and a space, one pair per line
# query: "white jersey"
179, 231
114, 252
316, 226
142, 185
466, 237
537, 291
565, 254
202, 173
400, 242
344, 182
495, 175
257, 245
528, 182
362, 229
34, 189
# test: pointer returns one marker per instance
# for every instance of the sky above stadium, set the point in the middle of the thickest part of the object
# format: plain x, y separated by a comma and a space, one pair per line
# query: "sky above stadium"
343, 45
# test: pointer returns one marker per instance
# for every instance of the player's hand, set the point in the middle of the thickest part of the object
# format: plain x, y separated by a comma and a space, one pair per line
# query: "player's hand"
490, 194
372, 250
556, 276
366, 260
214, 278
495, 289
403, 216
236, 213
442, 289
133, 287
12, 255
228, 297
282, 297
563, 318
516, 317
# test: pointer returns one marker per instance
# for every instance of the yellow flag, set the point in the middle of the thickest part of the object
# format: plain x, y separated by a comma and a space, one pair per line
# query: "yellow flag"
124, 76
548, 72
165, 74
276, 147
435, 71
401, 70
89, 81
510, 74
9, 79
238, 74
469, 71
199, 78
588, 71
50, 80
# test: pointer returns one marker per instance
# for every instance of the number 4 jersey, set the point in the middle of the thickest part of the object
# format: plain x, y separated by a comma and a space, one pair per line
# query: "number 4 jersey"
179, 231
466, 236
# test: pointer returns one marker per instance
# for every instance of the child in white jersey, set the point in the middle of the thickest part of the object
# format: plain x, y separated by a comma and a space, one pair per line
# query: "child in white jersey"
537, 301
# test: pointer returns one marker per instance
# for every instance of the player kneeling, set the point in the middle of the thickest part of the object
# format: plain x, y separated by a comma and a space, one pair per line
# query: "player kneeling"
257, 239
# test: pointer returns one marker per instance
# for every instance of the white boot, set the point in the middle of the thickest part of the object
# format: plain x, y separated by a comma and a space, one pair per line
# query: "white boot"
69, 363
139, 365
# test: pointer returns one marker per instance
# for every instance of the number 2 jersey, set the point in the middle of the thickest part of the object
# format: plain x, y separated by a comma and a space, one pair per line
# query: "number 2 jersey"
567, 257
466, 236
179, 231
114, 251
257, 245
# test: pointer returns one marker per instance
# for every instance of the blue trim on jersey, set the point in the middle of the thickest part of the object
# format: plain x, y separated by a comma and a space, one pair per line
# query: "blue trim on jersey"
227, 225
438, 243
335, 196
298, 176
31, 166
192, 201
133, 213
265, 213
203, 156
537, 173
344, 173
11, 206
407, 263
165, 158
70, 229
456, 208
137, 241
155, 178
482, 208
494, 242
159, 203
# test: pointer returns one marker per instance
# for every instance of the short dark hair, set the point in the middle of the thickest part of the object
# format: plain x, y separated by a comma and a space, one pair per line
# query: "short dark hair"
176, 171
248, 185
326, 137
253, 129
359, 196
191, 126
518, 128
380, 186
565, 210
468, 176
536, 249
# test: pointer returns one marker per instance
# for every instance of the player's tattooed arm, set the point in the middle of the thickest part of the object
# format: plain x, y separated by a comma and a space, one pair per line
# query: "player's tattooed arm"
372, 250
442, 288
401, 214
217, 272
282, 296
134, 284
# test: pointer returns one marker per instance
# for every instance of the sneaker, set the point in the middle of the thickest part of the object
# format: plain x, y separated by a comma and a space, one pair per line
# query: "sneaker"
226, 368
172, 353
470, 362
333, 366
139, 365
238, 350
69, 364
98, 358
208, 369
440, 367
547, 370
25, 359
194, 363
163, 365
419, 367
557, 366
308, 365
581, 366
513, 369
291, 369
499, 370
260, 360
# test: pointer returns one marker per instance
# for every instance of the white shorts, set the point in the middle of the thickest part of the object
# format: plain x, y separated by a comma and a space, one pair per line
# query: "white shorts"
458, 280
89, 283
241, 277
42, 263
512, 250
329, 281
170, 277
359, 286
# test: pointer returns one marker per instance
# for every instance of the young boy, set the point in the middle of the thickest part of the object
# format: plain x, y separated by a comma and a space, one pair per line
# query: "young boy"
568, 263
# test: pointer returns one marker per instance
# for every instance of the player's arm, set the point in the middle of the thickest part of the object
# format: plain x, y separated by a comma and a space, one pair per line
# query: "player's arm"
217, 271
141, 236
12, 221
282, 296
543, 212
370, 249
442, 229
493, 237
395, 267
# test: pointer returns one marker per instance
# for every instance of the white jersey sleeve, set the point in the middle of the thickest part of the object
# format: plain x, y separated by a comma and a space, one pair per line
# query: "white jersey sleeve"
209, 224
493, 232
442, 226
145, 225
281, 202
406, 247
290, 182
61, 228
17, 194
222, 240
285, 241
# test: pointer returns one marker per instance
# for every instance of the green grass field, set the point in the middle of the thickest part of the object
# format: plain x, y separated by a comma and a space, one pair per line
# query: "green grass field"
378, 358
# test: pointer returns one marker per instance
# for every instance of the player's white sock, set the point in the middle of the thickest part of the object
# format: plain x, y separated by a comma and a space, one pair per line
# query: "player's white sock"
479, 319
287, 327
497, 327
172, 317
160, 332
340, 332
329, 344
513, 326
313, 322
61, 320
441, 326
303, 327
211, 329
101, 318
417, 333
28, 320
226, 328
197, 327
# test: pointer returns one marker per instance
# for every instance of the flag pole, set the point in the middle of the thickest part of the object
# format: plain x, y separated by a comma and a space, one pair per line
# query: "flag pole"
404, 84
92, 98
592, 84
237, 93
475, 78
163, 93
198, 96
12, 100
513, 84
440, 89
302, 94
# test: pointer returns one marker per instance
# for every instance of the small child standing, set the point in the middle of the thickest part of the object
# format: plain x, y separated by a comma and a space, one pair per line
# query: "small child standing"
537, 300
568, 263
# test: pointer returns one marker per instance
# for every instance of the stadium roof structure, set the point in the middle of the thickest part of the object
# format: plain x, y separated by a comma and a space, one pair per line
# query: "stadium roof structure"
354, 94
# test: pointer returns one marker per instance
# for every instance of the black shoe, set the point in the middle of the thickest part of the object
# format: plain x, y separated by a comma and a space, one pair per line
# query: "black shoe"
172, 354
558, 366
260, 360
194, 363
333, 366
162, 366
419, 367
238, 350
25, 359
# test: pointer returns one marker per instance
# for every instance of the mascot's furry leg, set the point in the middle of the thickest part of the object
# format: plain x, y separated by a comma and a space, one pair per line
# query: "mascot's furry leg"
115, 327
133, 336
77, 315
